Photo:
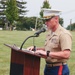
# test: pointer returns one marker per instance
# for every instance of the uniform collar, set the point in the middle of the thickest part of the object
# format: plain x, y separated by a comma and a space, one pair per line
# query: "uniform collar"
56, 32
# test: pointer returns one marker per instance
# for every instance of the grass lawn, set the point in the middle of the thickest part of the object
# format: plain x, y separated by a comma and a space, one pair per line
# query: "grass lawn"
17, 37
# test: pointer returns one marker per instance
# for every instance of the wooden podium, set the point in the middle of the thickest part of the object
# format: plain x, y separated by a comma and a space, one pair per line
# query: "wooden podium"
23, 62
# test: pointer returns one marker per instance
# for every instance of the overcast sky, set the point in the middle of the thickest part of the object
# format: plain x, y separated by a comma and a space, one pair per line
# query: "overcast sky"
66, 6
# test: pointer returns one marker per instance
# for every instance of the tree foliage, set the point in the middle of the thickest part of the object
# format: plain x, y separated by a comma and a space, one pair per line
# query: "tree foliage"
28, 23
21, 8
71, 27
45, 5
2, 14
12, 11
61, 21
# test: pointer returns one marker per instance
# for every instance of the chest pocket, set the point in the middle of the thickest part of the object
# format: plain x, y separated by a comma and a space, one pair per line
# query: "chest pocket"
54, 42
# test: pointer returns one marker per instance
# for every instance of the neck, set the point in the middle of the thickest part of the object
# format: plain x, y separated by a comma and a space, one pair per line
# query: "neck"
55, 27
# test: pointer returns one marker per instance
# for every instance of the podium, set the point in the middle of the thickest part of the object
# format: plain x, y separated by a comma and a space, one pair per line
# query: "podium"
23, 62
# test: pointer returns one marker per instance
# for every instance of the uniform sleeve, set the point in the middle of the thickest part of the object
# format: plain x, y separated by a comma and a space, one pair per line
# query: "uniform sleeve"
65, 41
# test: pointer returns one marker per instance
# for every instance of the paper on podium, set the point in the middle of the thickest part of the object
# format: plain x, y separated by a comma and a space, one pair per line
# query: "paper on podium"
16, 48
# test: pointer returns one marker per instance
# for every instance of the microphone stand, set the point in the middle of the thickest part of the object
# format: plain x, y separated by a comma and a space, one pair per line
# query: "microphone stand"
35, 35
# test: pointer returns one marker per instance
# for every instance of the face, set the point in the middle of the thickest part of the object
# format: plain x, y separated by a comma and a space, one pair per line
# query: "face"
51, 23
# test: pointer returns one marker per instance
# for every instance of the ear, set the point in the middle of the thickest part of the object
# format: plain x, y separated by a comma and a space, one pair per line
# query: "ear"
57, 18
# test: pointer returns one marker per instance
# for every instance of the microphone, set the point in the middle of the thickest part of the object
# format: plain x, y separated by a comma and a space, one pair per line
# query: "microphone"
39, 31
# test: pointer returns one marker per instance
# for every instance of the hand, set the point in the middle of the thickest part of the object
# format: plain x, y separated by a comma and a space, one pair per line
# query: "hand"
41, 52
32, 52
30, 48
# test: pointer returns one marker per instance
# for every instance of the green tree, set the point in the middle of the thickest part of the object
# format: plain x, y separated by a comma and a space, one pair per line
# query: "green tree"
11, 12
4, 4
45, 5
61, 21
26, 24
2, 14
21, 7
71, 27
21, 10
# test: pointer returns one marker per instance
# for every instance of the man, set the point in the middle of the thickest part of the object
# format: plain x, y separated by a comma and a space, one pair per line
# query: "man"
57, 46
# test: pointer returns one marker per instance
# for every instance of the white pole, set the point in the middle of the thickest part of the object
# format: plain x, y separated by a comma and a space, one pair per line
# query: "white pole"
70, 24
36, 23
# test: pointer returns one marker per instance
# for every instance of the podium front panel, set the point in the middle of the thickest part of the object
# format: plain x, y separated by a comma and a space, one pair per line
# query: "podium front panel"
24, 64
32, 67
16, 69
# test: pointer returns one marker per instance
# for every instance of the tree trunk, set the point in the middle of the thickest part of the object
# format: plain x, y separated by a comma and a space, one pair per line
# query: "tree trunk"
11, 27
